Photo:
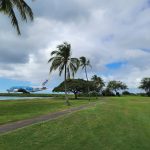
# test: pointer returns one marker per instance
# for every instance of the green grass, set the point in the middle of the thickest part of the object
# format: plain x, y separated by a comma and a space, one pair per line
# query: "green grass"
118, 123
15, 110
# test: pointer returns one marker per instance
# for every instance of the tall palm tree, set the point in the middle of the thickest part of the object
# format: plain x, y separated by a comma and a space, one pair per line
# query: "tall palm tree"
84, 63
61, 60
8, 8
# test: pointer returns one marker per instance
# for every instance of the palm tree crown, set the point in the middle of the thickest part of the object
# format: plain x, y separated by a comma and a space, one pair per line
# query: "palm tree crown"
98, 82
61, 60
84, 62
7, 7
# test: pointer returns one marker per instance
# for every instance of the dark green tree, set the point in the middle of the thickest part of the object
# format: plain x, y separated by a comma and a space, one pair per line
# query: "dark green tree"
145, 85
8, 8
116, 86
61, 60
107, 92
75, 86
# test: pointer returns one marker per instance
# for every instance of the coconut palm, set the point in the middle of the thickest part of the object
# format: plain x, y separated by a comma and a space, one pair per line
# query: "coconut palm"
99, 83
61, 60
84, 63
8, 8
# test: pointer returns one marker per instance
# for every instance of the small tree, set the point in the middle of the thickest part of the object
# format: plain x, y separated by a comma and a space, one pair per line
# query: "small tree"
145, 85
75, 86
116, 86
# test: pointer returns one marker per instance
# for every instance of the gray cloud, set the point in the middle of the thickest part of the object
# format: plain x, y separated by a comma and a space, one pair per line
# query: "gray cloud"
104, 31
12, 57
64, 11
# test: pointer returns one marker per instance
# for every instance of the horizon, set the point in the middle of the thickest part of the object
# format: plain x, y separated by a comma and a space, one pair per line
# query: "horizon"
112, 34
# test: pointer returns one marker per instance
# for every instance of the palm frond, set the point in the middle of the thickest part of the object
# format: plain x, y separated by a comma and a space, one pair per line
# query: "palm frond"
73, 68
24, 10
14, 20
7, 8
82, 60
61, 68
51, 59
75, 61
54, 52
55, 64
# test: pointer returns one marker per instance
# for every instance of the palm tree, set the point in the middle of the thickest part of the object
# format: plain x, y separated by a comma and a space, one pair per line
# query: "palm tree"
61, 60
8, 8
84, 63
99, 83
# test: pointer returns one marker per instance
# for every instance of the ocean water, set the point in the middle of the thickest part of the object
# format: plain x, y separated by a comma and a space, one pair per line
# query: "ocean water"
16, 98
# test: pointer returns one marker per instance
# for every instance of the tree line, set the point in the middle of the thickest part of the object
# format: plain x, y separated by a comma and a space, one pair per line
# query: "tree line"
62, 60
96, 87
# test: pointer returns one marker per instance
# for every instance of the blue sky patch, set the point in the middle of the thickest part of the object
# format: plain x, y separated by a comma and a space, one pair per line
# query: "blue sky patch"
145, 49
116, 65
7, 83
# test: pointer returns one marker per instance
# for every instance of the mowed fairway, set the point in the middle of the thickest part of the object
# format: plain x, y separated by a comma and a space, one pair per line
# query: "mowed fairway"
118, 123
14, 110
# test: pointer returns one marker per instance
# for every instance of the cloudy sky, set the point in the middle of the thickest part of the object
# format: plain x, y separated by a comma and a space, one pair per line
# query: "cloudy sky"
113, 34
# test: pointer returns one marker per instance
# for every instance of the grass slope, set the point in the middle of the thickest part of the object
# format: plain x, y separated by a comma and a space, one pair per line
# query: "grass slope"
15, 110
115, 124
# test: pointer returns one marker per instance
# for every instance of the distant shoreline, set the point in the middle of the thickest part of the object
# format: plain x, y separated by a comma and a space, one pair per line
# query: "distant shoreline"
32, 95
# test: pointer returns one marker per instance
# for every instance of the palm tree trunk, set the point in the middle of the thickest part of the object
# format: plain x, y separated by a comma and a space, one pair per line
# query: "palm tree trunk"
86, 74
87, 81
67, 101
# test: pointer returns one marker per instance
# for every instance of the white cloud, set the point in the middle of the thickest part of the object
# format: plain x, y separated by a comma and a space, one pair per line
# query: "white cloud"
104, 31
